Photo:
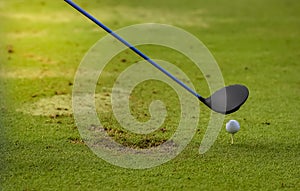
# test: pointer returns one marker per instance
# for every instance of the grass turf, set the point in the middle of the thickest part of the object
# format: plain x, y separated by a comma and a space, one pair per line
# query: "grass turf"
255, 43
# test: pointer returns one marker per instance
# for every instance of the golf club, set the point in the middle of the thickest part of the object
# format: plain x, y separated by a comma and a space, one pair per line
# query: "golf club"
225, 101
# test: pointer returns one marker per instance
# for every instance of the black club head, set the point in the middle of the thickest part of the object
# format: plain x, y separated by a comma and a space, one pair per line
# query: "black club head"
228, 99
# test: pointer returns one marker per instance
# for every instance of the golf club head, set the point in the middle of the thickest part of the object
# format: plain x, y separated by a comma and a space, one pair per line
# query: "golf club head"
228, 99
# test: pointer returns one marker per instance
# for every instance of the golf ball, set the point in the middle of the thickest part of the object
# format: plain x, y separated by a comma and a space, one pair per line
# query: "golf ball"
232, 126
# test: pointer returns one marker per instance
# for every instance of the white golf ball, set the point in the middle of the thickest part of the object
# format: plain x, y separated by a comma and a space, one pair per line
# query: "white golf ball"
232, 126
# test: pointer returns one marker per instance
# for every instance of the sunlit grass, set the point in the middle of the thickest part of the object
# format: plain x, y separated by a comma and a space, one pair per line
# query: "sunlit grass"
256, 43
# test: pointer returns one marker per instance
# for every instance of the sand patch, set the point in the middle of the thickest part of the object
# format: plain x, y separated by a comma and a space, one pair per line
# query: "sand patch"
35, 73
26, 34
61, 105
38, 58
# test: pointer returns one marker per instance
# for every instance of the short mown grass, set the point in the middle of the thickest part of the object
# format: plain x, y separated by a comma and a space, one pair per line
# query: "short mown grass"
256, 43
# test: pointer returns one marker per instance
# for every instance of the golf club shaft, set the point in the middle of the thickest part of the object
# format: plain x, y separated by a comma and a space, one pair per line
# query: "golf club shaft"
75, 6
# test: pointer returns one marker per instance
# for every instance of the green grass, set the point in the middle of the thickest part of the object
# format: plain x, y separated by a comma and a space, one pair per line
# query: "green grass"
256, 43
